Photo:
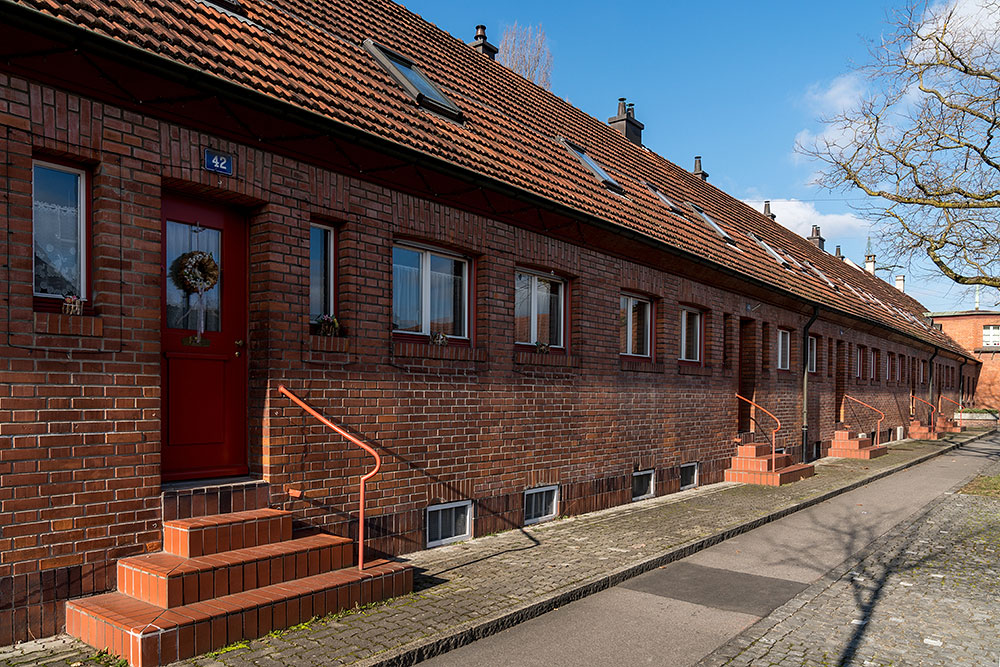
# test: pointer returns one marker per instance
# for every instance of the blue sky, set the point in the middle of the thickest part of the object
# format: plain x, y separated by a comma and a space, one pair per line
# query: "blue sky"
734, 82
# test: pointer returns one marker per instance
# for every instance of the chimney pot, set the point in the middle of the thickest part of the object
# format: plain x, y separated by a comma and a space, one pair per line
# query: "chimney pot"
870, 264
698, 171
838, 255
816, 239
901, 283
767, 210
482, 45
626, 123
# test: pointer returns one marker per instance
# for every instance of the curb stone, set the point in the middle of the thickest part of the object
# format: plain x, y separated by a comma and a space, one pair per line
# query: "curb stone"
463, 635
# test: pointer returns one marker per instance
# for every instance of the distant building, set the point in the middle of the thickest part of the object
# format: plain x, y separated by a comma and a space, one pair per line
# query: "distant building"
979, 332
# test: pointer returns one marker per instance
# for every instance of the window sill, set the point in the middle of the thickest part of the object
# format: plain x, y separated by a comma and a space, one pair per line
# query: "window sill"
424, 350
688, 368
640, 365
59, 324
546, 359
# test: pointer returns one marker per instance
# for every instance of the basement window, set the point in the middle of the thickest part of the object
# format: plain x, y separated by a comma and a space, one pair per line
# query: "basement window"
689, 476
413, 81
723, 234
450, 522
642, 485
589, 163
540, 504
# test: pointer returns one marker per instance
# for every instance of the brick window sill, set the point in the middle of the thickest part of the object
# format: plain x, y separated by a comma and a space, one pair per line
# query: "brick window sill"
335, 344
550, 359
637, 365
693, 369
424, 350
58, 324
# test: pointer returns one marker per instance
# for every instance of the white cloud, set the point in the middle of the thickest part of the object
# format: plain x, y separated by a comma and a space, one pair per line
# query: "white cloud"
799, 216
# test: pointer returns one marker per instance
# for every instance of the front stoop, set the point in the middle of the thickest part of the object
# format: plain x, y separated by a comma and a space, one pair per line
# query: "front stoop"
225, 578
918, 431
753, 464
846, 445
948, 425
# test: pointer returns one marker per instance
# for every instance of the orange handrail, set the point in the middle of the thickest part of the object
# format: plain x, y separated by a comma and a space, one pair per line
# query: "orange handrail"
773, 446
928, 404
943, 397
360, 443
878, 426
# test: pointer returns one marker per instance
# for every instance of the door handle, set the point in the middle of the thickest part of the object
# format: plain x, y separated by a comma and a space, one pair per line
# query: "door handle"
238, 343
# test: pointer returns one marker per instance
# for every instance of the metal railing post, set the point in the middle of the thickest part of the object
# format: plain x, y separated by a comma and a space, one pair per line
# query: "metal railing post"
878, 426
773, 433
360, 443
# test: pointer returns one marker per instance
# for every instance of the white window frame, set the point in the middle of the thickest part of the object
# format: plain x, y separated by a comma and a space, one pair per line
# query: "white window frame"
84, 241
652, 484
425, 288
697, 472
784, 349
455, 538
888, 366
860, 365
330, 306
631, 298
994, 339
899, 366
685, 314
872, 374
555, 504
535, 277
813, 351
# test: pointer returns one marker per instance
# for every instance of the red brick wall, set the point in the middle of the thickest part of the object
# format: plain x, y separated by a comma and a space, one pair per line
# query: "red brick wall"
80, 400
967, 330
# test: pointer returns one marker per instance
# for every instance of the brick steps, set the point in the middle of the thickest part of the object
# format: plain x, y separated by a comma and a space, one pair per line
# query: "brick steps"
147, 635
242, 577
920, 432
787, 475
205, 535
168, 580
948, 425
847, 445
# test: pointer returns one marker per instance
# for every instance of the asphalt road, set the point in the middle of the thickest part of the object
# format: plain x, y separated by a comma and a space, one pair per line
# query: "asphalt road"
676, 615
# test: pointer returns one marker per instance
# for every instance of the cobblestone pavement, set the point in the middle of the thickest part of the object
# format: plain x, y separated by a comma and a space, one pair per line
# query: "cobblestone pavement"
467, 590
926, 593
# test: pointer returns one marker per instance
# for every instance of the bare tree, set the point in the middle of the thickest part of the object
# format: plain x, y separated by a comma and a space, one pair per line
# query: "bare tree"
920, 141
523, 50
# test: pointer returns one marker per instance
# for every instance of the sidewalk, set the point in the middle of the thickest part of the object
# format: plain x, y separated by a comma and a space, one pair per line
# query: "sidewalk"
469, 590
926, 593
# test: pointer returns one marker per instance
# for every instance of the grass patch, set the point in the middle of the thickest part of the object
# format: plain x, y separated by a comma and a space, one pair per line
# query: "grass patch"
106, 658
983, 486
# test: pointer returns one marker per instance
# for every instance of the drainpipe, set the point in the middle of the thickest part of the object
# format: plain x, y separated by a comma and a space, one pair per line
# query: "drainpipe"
805, 382
930, 378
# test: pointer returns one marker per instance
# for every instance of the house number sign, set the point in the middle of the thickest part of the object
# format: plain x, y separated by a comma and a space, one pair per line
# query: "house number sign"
220, 163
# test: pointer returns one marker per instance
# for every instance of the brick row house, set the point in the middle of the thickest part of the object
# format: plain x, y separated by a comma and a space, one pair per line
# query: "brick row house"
538, 316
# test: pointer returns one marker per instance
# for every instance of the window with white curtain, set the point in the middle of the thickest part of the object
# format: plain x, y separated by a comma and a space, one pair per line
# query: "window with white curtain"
812, 353
690, 335
59, 226
538, 309
429, 292
784, 349
991, 335
635, 324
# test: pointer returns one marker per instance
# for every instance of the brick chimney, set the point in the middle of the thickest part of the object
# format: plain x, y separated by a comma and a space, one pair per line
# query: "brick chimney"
815, 238
901, 283
698, 171
484, 47
626, 123
870, 264
767, 209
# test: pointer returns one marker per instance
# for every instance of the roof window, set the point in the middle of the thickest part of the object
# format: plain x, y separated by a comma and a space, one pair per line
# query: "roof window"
713, 224
413, 81
674, 208
821, 275
770, 251
589, 163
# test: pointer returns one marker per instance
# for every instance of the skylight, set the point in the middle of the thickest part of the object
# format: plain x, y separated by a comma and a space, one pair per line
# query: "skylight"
821, 275
589, 163
413, 81
770, 251
665, 199
713, 224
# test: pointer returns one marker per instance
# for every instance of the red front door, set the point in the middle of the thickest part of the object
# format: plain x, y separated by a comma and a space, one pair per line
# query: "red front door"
204, 366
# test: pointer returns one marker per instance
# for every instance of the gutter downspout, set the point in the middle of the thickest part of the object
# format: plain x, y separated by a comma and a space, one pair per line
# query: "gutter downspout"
930, 377
805, 382
961, 389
